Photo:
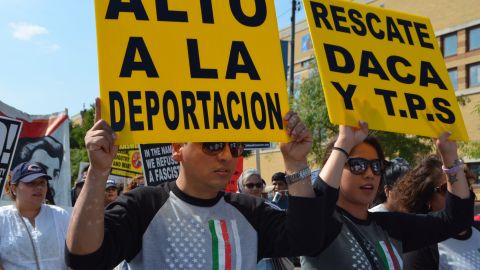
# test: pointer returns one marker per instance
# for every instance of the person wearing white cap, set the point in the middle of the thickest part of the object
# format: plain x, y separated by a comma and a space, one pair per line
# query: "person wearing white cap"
32, 233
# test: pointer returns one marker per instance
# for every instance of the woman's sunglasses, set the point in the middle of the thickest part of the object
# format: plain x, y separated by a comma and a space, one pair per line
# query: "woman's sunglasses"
442, 189
215, 148
252, 185
359, 166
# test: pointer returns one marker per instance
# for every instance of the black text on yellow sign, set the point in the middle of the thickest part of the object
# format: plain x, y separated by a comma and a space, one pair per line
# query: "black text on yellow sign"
127, 162
175, 71
383, 67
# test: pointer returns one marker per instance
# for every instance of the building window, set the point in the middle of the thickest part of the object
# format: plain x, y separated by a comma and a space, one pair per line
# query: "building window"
474, 38
449, 45
306, 43
474, 75
303, 63
453, 77
307, 63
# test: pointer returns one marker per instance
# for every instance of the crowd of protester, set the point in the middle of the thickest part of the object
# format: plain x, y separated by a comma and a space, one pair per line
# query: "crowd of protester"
362, 212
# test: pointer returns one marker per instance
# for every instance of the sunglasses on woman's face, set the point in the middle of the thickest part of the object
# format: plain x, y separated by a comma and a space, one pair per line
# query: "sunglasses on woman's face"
359, 166
215, 148
252, 185
442, 189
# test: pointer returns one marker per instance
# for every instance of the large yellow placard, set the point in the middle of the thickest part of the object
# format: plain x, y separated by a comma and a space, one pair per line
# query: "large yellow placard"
383, 67
176, 71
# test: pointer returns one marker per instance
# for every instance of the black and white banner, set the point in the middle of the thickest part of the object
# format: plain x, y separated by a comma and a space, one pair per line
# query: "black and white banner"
158, 164
9, 134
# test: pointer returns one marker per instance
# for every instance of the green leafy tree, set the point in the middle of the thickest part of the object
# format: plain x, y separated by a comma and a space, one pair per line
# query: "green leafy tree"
78, 152
472, 149
310, 105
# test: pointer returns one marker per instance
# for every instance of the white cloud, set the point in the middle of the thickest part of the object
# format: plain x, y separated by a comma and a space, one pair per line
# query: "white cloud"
48, 46
25, 31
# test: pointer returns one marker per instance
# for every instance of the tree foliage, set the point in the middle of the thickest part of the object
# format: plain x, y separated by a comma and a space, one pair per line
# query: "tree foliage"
78, 152
312, 108
472, 149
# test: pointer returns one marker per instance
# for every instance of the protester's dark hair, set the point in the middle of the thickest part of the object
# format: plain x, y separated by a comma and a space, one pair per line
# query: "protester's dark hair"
396, 168
279, 176
415, 189
50, 198
27, 146
370, 140
80, 176
470, 175
8, 188
120, 188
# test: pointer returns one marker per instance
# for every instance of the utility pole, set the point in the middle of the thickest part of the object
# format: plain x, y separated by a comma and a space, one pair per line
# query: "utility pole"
257, 161
292, 47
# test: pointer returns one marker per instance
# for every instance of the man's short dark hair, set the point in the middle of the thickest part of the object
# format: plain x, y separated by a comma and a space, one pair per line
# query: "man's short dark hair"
279, 176
397, 167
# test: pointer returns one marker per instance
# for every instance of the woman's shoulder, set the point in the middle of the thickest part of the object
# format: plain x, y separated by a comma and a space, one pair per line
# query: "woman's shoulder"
7, 209
6, 213
56, 210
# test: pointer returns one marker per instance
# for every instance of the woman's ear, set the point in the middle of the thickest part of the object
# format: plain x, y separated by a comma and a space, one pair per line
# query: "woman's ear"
13, 189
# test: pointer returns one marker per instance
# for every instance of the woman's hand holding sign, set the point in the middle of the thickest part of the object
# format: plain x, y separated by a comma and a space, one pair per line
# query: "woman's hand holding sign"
452, 166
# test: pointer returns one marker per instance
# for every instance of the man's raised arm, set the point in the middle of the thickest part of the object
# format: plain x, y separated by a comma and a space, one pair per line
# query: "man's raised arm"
86, 230
295, 157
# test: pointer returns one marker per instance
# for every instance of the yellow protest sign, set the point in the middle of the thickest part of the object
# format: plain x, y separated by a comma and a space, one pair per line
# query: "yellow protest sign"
383, 67
127, 162
175, 71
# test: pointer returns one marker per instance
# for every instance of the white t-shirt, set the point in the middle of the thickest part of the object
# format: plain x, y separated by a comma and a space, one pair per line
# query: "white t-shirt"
48, 235
460, 254
379, 208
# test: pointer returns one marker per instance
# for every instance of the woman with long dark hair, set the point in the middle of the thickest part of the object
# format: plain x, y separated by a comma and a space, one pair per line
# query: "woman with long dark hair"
424, 190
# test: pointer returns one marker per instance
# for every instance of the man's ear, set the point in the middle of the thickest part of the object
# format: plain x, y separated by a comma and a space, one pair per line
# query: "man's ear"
177, 151
386, 189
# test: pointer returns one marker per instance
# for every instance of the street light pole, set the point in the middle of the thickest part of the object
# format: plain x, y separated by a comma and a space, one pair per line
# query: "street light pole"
292, 47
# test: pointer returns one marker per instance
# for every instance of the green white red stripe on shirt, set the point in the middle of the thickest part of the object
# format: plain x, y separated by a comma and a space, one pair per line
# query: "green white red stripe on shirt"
390, 257
222, 244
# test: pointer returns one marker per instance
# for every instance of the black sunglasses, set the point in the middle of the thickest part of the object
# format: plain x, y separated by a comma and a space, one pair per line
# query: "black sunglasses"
442, 189
360, 165
215, 148
251, 185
